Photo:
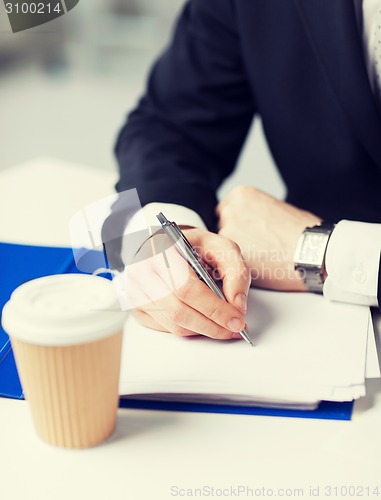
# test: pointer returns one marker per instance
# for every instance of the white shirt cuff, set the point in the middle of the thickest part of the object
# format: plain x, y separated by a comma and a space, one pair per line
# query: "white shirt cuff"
145, 219
352, 263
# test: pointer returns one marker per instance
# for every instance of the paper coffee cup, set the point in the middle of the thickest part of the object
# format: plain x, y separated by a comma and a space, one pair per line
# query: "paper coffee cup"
66, 333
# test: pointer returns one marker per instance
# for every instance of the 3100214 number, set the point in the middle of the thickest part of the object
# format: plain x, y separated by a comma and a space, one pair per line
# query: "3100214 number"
32, 8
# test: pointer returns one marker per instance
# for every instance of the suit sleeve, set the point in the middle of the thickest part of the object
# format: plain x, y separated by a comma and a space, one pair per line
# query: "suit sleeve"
184, 137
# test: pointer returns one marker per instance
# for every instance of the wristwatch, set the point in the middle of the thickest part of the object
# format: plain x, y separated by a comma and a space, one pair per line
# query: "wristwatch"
310, 255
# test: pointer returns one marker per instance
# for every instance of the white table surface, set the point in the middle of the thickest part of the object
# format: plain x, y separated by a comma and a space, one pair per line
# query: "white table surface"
160, 454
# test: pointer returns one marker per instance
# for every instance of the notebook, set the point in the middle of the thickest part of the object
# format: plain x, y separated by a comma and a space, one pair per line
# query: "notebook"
307, 349
22, 263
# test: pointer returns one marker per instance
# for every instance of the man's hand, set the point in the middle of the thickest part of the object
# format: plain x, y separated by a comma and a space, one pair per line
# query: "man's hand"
267, 231
165, 294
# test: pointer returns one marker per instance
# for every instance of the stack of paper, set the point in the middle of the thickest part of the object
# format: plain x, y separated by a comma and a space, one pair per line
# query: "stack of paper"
307, 349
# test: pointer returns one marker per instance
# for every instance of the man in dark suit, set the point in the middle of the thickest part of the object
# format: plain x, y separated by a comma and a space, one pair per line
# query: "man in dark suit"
311, 69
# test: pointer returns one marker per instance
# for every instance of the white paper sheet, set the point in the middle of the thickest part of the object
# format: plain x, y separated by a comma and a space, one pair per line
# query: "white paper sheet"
307, 349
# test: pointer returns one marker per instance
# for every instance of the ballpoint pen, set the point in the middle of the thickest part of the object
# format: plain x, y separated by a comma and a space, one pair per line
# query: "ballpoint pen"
189, 253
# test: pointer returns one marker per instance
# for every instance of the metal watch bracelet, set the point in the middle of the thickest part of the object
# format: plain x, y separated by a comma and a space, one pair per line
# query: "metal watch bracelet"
310, 255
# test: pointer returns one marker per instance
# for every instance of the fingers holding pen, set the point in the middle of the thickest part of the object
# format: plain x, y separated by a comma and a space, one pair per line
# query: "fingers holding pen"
172, 298
195, 294
187, 309
224, 256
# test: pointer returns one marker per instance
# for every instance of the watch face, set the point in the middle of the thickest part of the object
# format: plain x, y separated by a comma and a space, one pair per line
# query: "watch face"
312, 249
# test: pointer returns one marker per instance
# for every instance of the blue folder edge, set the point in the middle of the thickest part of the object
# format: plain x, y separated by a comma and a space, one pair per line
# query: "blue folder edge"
23, 263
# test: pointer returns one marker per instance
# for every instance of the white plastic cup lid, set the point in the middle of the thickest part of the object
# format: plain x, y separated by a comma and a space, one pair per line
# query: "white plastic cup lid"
64, 309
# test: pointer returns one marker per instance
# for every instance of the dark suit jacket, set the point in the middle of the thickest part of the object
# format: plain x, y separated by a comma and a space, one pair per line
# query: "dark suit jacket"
299, 64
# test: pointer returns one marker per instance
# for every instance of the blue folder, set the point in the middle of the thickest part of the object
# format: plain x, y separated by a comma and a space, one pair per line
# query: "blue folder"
21, 263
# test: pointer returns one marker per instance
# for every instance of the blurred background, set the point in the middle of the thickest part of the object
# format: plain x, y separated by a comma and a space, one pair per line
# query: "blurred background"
66, 87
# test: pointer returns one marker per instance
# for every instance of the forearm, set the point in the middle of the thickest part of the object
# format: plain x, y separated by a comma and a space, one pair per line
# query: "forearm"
157, 161
185, 136
268, 231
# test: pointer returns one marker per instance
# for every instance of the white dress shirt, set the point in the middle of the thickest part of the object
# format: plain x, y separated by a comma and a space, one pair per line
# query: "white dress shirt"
353, 253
